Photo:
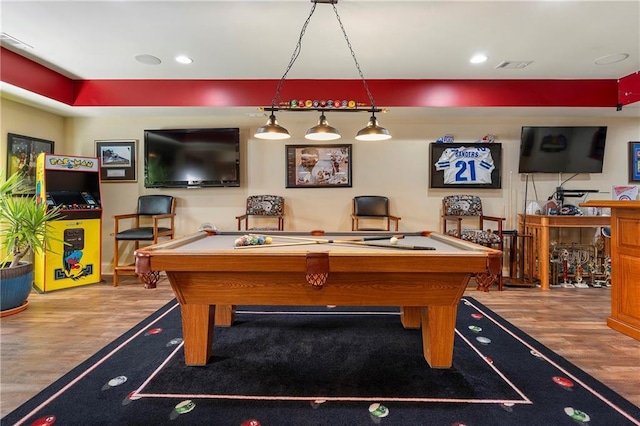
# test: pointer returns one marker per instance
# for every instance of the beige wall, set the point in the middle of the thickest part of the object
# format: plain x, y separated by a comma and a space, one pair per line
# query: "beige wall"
397, 168
25, 120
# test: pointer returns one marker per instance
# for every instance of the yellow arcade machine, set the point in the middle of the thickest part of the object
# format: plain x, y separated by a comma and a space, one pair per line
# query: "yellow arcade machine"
73, 184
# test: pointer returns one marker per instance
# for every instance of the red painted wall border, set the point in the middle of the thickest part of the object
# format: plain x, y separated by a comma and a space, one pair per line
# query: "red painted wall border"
26, 74
629, 89
387, 93
22, 72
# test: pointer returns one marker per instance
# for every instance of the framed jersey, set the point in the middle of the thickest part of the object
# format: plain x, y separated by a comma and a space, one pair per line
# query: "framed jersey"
465, 165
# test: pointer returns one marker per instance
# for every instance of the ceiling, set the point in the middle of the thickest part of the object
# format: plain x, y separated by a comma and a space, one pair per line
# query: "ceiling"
93, 40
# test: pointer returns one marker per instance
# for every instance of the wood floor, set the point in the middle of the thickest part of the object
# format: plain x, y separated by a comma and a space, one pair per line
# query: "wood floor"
61, 329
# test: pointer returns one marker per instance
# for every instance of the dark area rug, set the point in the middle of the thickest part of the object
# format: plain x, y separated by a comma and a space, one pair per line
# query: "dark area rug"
327, 366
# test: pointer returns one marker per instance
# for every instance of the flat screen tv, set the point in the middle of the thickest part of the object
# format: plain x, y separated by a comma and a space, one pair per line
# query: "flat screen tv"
568, 149
191, 158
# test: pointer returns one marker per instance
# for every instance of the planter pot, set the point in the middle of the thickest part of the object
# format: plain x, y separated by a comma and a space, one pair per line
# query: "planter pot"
15, 286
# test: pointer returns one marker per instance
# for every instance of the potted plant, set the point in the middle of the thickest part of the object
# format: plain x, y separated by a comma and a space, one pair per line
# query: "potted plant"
24, 226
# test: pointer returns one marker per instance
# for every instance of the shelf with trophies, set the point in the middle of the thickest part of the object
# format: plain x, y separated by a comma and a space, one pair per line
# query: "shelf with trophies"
580, 265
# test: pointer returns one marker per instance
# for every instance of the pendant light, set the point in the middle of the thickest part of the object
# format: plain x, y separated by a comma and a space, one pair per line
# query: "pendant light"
272, 130
322, 131
373, 132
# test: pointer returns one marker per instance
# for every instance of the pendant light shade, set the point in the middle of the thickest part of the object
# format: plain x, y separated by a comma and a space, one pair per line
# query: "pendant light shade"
322, 131
373, 132
272, 130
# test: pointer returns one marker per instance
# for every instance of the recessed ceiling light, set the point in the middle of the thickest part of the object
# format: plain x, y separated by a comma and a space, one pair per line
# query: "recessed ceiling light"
148, 59
478, 58
183, 59
611, 59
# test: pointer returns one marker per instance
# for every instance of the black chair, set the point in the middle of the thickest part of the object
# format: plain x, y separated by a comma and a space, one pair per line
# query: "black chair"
372, 209
153, 219
262, 209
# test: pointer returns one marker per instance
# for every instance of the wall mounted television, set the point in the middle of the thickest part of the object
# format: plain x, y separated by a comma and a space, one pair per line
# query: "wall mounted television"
562, 149
191, 158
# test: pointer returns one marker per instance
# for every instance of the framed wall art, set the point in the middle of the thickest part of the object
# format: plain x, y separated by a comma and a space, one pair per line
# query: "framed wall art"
318, 166
465, 165
634, 161
117, 160
22, 152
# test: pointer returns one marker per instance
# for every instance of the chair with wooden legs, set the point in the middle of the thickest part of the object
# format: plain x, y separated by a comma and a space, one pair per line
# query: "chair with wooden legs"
462, 208
263, 213
371, 213
153, 219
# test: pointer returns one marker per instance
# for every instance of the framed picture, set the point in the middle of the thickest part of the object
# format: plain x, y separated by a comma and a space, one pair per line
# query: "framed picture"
21, 158
465, 165
634, 161
117, 160
318, 166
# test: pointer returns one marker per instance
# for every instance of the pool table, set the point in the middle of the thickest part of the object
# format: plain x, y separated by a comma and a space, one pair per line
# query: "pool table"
424, 273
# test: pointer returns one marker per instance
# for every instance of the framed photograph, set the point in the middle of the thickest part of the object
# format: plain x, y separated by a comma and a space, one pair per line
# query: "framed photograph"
465, 165
634, 161
117, 160
21, 158
318, 166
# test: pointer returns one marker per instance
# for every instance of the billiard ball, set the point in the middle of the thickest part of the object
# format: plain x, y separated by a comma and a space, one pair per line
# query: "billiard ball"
393, 241
268, 240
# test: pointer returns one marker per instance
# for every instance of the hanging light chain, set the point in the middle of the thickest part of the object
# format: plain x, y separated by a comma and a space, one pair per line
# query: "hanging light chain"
298, 49
294, 56
322, 131
353, 55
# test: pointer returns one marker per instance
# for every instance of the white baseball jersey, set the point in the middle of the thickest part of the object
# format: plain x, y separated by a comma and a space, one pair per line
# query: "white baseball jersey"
466, 165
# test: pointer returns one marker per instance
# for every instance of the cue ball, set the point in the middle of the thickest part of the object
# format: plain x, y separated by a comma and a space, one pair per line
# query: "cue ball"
393, 241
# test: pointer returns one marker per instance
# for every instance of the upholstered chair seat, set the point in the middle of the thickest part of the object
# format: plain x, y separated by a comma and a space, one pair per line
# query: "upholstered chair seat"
464, 208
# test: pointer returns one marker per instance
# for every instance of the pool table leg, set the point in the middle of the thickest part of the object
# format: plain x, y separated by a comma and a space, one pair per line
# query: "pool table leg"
410, 316
197, 328
438, 330
225, 315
